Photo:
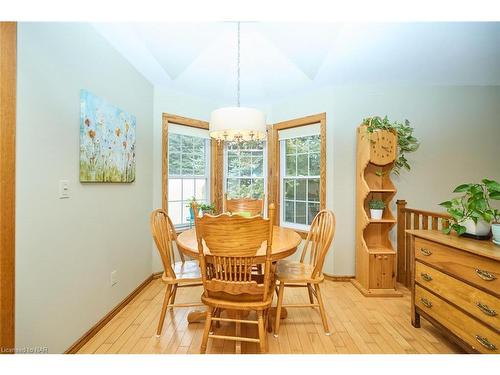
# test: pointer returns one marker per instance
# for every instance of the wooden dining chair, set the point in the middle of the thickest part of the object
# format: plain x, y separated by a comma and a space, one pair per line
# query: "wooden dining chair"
229, 284
307, 273
175, 274
250, 205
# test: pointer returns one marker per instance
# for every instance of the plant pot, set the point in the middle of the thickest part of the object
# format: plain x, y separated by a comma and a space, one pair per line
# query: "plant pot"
495, 228
482, 228
376, 214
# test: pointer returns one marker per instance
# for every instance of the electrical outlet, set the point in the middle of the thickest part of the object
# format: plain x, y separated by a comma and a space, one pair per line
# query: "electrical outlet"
114, 278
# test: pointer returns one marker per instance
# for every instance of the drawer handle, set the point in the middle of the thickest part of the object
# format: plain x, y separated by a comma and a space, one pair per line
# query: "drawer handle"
426, 276
484, 342
425, 251
426, 302
485, 275
485, 309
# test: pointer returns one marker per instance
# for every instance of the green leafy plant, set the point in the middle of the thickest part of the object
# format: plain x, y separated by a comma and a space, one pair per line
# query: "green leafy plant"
190, 201
207, 208
376, 204
474, 204
406, 141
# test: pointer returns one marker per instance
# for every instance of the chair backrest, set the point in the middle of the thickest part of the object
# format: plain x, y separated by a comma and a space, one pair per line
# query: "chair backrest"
253, 206
318, 241
233, 242
163, 232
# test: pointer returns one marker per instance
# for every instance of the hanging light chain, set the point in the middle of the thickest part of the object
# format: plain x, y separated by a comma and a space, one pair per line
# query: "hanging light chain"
238, 89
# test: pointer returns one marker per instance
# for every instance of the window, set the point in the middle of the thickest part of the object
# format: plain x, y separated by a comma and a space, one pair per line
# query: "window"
186, 167
301, 178
188, 174
299, 186
245, 169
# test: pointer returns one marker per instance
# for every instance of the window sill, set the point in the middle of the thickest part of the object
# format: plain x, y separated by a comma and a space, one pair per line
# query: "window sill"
179, 230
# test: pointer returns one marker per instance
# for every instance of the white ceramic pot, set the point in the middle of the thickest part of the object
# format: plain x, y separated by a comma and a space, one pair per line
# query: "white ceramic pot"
495, 228
482, 228
376, 214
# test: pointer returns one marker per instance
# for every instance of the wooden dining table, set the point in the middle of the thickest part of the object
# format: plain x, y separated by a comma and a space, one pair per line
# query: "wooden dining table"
285, 243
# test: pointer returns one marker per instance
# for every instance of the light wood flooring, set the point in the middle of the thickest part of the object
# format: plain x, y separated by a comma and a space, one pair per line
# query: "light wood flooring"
358, 325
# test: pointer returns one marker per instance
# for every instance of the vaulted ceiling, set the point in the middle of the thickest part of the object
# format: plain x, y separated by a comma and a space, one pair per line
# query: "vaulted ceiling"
283, 59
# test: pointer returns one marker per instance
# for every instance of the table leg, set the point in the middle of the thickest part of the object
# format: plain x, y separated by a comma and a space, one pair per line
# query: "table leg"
272, 317
238, 334
197, 316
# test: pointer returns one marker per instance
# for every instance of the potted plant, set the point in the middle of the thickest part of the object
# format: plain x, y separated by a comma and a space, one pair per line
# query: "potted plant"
207, 208
376, 208
495, 227
406, 140
471, 213
191, 212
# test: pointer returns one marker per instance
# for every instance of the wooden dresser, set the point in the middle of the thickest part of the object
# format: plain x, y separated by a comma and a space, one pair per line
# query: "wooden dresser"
456, 286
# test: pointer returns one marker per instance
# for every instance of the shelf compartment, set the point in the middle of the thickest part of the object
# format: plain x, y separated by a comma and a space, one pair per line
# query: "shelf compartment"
387, 215
378, 177
376, 235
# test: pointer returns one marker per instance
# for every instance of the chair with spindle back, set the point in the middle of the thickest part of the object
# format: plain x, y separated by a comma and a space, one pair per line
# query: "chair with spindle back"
250, 205
233, 242
308, 273
175, 274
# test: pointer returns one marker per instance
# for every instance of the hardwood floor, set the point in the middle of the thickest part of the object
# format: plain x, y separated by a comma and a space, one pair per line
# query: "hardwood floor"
358, 325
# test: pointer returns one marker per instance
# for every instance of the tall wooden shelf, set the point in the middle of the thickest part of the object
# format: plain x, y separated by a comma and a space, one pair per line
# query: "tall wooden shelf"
375, 255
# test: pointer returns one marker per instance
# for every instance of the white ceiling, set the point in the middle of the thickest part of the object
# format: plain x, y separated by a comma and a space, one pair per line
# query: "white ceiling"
282, 59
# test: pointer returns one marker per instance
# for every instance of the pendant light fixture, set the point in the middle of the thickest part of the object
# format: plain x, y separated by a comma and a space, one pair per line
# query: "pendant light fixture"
237, 123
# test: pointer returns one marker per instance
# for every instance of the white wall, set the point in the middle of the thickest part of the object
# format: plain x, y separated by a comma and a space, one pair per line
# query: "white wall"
66, 248
459, 130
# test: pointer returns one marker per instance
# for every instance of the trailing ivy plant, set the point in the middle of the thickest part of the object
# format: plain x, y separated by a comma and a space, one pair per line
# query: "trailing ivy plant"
474, 204
406, 141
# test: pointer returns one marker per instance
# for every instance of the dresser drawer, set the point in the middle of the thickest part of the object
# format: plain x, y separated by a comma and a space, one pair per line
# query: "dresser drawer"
477, 335
482, 272
482, 305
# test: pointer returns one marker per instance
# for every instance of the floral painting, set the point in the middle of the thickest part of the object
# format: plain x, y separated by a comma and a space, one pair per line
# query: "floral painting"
107, 141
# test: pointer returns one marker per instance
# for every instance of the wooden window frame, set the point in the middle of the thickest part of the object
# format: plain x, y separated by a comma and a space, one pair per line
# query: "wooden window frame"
216, 159
275, 160
8, 72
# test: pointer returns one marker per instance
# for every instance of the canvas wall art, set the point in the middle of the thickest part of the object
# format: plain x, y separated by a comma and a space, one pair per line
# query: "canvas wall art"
107, 141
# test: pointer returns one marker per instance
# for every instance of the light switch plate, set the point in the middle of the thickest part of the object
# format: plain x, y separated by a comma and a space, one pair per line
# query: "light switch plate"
63, 189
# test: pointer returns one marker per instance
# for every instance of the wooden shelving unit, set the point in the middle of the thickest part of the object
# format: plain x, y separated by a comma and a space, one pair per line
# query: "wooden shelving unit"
375, 255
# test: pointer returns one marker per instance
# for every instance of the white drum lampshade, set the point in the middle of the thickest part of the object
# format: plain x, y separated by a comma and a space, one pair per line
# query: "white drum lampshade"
237, 124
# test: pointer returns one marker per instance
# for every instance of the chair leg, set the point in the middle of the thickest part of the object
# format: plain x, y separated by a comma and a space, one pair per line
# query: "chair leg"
311, 300
172, 297
164, 309
322, 310
208, 324
266, 327
278, 308
237, 333
217, 314
262, 332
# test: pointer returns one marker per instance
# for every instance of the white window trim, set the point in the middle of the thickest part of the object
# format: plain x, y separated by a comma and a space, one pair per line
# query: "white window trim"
286, 224
264, 174
183, 226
